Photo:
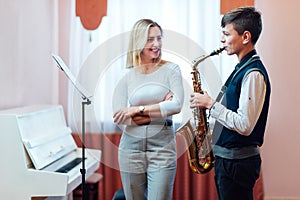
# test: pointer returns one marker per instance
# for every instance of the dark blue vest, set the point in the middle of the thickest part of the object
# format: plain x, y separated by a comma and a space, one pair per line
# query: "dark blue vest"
229, 138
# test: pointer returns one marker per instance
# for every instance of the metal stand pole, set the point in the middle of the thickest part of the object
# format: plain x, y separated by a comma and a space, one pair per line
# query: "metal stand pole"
83, 170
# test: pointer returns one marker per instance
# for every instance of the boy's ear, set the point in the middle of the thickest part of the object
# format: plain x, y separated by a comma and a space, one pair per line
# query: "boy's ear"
246, 37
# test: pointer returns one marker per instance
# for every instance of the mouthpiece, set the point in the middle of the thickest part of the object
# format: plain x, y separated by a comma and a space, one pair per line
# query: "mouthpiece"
216, 52
202, 58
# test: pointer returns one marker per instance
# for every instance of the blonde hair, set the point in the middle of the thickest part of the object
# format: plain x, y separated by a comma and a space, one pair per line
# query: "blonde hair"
138, 40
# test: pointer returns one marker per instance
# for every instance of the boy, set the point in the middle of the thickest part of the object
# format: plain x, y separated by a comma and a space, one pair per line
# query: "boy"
242, 114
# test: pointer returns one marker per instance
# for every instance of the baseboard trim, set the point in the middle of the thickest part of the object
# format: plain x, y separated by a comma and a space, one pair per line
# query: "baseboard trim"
282, 198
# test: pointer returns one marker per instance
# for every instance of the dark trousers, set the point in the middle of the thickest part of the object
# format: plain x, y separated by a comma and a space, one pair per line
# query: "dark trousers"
235, 178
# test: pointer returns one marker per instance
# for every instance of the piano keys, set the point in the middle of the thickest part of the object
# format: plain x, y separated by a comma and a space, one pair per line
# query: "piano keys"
36, 145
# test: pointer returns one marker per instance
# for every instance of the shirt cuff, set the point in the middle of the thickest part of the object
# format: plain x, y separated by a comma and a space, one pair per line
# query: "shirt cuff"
215, 110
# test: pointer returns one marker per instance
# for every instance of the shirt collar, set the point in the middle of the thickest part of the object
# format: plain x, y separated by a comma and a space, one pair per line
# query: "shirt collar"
246, 58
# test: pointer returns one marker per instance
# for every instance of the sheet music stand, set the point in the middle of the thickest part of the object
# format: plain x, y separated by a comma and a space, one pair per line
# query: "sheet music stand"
85, 101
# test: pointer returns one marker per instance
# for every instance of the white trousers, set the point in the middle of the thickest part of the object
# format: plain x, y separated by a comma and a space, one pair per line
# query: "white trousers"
147, 159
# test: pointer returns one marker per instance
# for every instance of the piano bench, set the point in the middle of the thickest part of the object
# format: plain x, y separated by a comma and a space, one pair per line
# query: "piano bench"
91, 188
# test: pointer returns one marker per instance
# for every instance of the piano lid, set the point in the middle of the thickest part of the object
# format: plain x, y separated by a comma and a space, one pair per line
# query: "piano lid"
44, 133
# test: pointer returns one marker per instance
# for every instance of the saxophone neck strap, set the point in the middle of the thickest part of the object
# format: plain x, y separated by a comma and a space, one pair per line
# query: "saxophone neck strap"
221, 93
224, 87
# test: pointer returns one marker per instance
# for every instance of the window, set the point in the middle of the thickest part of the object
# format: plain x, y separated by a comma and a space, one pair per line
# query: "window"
98, 57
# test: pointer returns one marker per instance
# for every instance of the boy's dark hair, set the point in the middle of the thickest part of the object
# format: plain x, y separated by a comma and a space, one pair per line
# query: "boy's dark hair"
244, 19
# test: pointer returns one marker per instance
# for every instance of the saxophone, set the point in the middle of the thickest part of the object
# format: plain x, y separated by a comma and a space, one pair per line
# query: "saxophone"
199, 139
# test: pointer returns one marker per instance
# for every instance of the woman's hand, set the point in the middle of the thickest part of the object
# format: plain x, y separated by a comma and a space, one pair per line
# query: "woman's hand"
124, 115
140, 119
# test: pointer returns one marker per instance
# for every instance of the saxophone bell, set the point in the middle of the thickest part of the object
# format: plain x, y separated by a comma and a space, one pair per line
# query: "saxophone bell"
200, 155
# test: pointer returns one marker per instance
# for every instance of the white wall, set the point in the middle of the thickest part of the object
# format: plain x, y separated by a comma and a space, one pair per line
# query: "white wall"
279, 49
28, 35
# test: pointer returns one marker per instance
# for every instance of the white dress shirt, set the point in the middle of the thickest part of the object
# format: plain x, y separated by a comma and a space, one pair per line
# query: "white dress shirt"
251, 101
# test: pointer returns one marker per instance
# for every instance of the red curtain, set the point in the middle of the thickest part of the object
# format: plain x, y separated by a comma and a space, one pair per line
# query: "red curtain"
91, 12
227, 5
188, 185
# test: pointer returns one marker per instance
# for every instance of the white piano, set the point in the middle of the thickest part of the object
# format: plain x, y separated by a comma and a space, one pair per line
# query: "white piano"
35, 145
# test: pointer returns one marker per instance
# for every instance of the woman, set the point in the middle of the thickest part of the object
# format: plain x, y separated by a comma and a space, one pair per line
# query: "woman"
144, 102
